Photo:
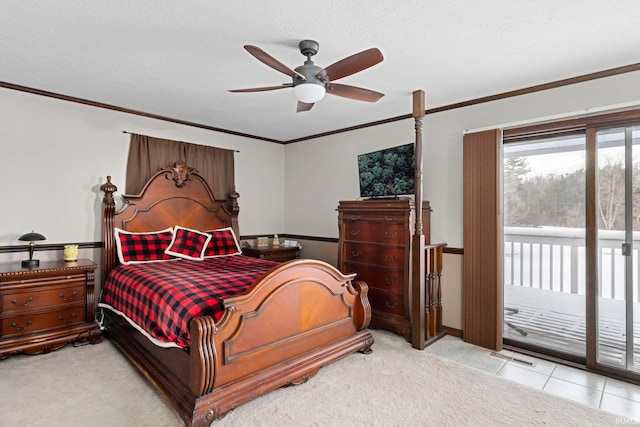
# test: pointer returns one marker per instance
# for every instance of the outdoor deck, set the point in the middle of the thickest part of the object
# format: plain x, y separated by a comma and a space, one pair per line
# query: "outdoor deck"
557, 320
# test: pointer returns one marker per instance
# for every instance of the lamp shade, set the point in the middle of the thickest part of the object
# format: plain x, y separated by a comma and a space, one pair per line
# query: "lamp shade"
309, 92
31, 237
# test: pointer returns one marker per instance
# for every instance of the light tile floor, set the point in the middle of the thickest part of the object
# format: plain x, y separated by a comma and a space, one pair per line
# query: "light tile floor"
590, 389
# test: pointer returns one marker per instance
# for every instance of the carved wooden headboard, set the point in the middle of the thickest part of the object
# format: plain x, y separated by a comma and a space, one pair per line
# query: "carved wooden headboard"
176, 195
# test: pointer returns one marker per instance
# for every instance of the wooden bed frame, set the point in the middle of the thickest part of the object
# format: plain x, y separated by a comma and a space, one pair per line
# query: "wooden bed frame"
297, 318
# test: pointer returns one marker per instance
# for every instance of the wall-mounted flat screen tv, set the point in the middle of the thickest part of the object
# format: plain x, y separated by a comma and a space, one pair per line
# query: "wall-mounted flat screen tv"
387, 173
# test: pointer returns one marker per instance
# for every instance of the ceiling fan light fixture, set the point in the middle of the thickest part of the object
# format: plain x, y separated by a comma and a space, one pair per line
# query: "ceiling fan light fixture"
309, 93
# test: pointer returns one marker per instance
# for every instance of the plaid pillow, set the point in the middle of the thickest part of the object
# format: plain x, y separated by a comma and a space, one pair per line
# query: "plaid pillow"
137, 248
223, 242
187, 243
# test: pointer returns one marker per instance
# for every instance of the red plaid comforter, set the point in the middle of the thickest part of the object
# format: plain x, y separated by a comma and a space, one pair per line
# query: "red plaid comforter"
163, 297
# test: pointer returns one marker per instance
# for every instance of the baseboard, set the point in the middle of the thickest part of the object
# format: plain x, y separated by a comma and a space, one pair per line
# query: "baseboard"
453, 332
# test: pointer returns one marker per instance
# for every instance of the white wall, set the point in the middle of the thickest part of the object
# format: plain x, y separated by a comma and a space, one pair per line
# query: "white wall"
55, 155
321, 172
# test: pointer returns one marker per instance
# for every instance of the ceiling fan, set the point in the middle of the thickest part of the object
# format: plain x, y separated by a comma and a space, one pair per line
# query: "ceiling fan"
310, 82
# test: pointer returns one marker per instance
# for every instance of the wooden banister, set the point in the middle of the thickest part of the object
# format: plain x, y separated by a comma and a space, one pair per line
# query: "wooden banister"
433, 292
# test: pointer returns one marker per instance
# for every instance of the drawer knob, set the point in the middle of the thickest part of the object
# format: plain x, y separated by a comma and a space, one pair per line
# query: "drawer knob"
355, 254
355, 232
354, 217
388, 218
26, 302
390, 235
390, 281
21, 328
63, 320
391, 258
73, 295
389, 305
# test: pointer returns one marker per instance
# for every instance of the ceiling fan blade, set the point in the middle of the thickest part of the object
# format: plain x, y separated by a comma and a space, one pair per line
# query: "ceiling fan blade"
262, 89
353, 92
304, 106
351, 65
272, 62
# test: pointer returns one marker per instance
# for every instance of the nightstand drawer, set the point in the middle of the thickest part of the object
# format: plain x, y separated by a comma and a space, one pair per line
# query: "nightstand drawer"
280, 254
22, 325
41, 297
23, 281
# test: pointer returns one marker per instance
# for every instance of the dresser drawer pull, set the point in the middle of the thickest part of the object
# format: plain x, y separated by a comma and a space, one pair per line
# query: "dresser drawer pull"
355, 232
391, 258
390, 282
21, 281
26, 302
390, 235
21, 328
63, 320
73, 295
356, 254
388, 218
394, 305
354, 217
68, 277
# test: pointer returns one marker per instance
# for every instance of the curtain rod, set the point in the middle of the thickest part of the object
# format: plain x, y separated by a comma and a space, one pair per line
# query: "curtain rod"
133, 133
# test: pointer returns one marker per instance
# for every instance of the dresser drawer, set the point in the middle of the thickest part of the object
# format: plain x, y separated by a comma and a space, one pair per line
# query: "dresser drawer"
385, 233
390, 280
384, 256
386, 301
377, 217
27, 324
41, 297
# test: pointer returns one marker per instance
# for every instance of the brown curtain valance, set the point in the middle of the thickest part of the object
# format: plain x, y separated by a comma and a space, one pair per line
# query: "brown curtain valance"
147, 155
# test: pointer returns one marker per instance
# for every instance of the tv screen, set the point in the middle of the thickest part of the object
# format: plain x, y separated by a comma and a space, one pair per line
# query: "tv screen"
387, 173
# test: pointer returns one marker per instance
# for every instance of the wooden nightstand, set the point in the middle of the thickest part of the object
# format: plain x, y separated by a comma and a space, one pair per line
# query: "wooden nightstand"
280, 254
42, 309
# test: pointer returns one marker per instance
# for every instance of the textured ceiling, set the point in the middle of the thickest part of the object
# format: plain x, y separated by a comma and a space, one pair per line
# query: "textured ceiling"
177, 59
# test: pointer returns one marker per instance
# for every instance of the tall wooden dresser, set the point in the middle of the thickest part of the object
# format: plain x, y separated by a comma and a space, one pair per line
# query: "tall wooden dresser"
375, 243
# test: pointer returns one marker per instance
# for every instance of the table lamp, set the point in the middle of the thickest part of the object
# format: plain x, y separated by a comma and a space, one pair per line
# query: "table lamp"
31, 238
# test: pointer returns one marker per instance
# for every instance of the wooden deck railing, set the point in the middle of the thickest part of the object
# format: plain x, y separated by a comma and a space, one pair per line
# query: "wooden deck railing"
553, 258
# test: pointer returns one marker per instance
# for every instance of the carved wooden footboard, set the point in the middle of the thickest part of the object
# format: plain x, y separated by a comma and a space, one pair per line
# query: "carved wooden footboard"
297, 318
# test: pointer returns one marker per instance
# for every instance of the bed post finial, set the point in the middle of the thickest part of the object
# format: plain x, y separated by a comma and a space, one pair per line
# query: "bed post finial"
108, 188
232, 205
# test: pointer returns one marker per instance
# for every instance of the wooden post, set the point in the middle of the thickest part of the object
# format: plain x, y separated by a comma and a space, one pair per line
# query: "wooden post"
417, 293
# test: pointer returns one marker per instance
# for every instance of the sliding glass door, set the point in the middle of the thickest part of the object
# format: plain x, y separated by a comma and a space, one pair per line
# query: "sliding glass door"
571, 225
544, 243
618, 196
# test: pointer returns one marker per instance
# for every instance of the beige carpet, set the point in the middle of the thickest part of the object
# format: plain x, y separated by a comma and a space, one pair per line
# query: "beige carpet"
394, 386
